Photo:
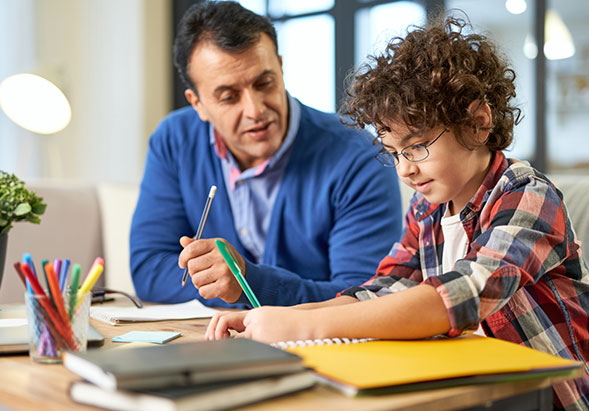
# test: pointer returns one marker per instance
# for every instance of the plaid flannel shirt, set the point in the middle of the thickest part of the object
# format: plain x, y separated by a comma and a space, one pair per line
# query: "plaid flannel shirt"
523, 278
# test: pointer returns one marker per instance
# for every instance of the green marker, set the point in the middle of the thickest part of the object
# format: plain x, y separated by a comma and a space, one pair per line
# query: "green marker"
74, 288
234, 267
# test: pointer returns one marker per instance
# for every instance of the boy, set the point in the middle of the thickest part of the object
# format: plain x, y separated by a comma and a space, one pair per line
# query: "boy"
487, 240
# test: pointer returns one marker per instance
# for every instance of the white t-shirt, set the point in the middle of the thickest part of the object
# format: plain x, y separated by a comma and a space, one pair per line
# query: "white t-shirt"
455, 244
455, 240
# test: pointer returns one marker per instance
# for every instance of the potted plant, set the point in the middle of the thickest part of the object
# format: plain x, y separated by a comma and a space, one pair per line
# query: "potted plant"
16, 204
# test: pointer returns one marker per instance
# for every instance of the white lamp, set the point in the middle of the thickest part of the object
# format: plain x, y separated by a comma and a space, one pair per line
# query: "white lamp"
38, 105
516, 6
35, 103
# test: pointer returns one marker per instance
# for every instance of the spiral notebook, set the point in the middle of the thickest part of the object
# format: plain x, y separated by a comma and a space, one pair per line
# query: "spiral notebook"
369, 367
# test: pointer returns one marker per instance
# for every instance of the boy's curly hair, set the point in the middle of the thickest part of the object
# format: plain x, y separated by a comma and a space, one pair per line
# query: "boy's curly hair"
429, 78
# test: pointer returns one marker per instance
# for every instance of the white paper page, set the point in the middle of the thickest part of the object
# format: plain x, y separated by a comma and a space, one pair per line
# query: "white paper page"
190, 309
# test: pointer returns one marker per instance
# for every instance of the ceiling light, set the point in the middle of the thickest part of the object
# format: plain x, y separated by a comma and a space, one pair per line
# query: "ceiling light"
558, 42
516, 6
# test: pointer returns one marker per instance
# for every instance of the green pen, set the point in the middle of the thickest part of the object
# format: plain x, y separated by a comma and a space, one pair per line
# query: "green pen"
234, 267
74, 288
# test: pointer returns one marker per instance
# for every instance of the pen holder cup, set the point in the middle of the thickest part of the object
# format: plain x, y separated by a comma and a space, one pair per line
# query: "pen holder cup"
50, 335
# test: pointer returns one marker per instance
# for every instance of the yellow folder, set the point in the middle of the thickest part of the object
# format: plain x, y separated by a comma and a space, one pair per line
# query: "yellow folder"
387, 366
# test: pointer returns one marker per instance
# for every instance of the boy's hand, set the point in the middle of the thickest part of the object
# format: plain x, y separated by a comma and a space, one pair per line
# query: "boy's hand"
222, 322
273, 324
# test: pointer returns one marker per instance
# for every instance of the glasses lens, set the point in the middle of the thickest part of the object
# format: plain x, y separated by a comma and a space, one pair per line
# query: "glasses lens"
416, 153
387, 159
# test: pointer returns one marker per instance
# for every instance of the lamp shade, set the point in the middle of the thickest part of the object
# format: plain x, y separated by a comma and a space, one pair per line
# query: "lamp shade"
35, 103
558, 42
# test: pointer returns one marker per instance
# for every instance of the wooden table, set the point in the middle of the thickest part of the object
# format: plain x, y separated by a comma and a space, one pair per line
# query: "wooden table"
26, 385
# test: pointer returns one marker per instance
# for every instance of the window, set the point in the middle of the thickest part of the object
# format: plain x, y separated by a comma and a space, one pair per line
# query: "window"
322, 40
315, 61
307, 48
567, 85
509, 32
564, 113
375, 26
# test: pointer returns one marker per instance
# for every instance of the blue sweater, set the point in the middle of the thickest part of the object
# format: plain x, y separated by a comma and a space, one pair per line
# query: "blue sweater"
336, 214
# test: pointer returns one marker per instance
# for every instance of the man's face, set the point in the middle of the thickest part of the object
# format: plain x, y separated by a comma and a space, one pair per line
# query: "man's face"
243, 96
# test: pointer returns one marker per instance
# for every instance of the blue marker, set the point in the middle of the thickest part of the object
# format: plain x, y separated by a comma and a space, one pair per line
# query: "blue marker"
63, 274
29, 260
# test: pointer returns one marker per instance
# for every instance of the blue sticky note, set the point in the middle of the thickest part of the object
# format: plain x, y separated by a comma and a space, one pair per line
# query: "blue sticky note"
157, 337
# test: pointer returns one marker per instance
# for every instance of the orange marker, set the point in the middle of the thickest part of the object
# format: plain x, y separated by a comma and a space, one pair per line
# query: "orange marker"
56, 292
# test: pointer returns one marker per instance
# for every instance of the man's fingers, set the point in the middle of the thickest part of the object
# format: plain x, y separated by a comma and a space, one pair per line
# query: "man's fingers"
184, 241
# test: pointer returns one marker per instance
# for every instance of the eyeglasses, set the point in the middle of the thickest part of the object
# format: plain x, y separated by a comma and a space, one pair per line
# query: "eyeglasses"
413, 153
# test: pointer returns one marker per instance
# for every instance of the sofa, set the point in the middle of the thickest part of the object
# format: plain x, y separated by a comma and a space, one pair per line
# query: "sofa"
82, 221
85, 220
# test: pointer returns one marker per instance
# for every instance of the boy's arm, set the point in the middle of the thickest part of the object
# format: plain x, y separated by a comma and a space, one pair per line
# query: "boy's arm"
327, 303
417, 312
224, 322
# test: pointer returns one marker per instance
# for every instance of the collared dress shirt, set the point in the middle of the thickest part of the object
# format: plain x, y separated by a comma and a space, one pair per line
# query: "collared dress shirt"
252, 192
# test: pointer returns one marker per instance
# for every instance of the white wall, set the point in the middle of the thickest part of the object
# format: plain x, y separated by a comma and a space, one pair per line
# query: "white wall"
16, 22
114, 59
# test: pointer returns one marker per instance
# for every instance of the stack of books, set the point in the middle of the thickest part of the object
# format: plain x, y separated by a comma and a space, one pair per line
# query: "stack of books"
208, 375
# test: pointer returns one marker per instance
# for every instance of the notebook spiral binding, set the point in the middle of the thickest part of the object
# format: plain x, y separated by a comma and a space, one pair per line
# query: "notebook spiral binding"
283, 345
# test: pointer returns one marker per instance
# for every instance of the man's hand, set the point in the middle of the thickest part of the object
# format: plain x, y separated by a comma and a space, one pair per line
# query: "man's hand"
208, 270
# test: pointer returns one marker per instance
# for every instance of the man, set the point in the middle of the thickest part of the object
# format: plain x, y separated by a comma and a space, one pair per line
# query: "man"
304, 208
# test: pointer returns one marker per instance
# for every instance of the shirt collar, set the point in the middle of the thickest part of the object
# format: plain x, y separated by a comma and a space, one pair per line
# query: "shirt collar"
294, 118
498, 166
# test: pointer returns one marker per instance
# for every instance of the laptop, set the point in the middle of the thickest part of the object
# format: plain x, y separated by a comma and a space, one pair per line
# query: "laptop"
14, 333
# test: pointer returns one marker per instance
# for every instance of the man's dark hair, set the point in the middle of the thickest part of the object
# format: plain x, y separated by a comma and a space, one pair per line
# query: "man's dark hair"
226, 24
429, 78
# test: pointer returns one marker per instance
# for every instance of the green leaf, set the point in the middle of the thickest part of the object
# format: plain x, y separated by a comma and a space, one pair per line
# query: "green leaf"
17, 203
39, 207
22, 209
31, 218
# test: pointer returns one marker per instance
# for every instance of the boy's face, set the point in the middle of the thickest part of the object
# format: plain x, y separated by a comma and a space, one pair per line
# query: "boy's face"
450, 174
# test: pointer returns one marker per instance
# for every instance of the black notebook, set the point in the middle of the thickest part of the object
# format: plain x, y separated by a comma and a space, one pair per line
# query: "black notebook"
181, 364
213, 396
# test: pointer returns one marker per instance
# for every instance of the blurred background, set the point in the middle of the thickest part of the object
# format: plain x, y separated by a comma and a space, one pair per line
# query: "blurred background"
112, 59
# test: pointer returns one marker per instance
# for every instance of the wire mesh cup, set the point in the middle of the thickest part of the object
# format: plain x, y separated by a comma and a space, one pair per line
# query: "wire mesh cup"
53, 329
